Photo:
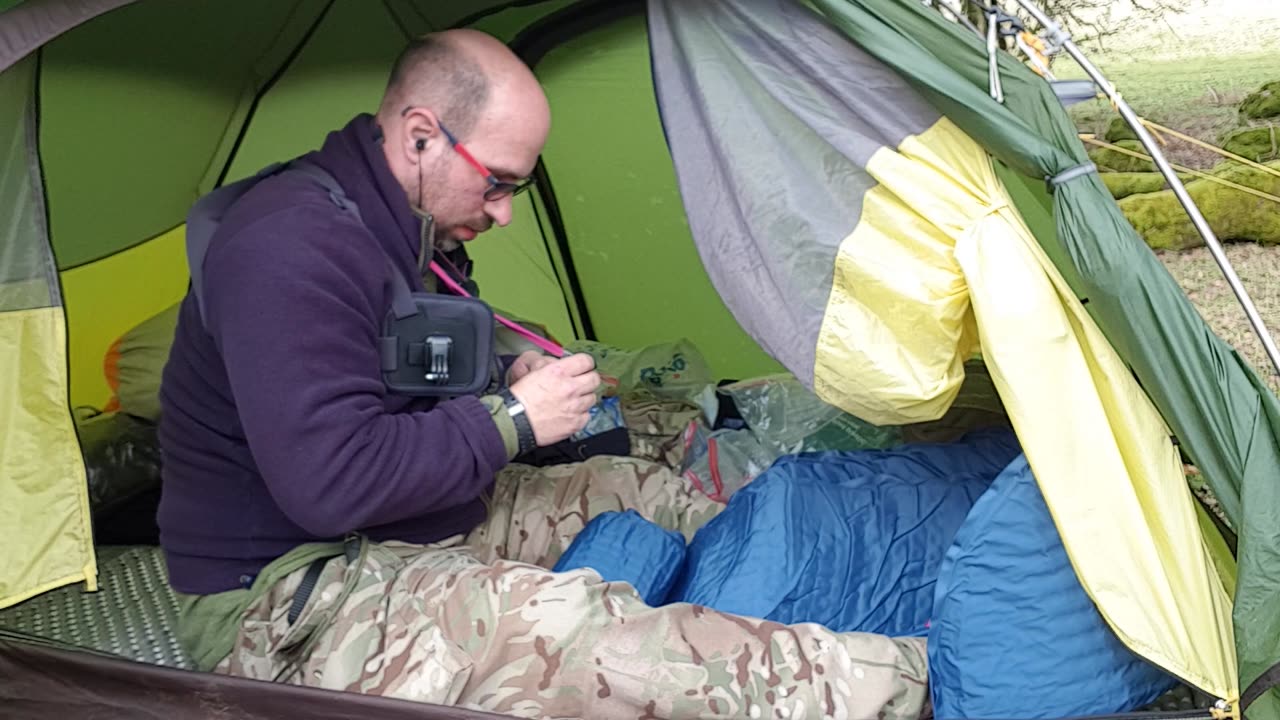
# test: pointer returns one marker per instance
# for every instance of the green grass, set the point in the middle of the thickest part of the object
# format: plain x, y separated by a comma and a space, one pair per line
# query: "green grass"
1197, 96
1259, 270
1189, 73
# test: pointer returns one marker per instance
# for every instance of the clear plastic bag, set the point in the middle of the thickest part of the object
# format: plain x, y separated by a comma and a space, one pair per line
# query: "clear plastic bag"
723, 462
788, 418
606, 415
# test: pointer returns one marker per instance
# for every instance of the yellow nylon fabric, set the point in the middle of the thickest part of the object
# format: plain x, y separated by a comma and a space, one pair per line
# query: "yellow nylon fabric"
940, 250
892, 345
44, 499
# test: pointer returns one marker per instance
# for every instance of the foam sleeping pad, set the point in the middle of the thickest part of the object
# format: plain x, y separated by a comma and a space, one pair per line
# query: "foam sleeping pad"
624, 547
1007, 597
850, 540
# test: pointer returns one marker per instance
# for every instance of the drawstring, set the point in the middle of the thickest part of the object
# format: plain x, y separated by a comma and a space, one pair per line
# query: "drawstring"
428, 229
532, 337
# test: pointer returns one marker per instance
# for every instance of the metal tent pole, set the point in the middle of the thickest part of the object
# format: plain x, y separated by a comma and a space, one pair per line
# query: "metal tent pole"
1193, 211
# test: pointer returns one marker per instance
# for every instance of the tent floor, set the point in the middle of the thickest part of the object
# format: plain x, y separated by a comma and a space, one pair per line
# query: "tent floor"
134, 615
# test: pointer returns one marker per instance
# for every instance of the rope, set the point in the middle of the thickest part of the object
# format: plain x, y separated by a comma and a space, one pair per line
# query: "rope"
1180, 168
1214, 148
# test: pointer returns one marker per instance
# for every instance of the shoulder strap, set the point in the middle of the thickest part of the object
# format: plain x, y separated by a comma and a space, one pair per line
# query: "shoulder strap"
203, 220
207, 213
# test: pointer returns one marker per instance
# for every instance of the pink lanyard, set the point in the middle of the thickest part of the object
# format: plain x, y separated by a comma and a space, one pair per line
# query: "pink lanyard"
532, 337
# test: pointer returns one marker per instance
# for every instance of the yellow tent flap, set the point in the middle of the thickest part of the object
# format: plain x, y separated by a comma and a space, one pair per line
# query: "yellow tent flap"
44, 500
940, 265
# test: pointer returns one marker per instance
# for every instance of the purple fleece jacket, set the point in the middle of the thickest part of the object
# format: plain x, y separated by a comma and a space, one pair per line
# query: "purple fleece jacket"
276, 428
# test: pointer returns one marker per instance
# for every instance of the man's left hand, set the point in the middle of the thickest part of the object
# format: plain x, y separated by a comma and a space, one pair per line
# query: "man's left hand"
527, 362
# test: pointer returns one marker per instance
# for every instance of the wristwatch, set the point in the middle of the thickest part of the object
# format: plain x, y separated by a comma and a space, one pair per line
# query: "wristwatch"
524, 430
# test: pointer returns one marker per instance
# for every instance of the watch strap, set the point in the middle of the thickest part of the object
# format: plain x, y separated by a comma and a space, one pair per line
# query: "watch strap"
524, 430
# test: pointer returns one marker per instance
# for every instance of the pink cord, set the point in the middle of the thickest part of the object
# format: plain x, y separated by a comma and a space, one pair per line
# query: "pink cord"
532, 337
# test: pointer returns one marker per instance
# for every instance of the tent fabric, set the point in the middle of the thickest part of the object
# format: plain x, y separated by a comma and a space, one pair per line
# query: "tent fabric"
1007, 597
1115, 484
849, 540
44, 503
233, 86
28, 25
44, 500
25, 278
1224, 417
646, 235
969, 269
809, 144
31, 23
40, 680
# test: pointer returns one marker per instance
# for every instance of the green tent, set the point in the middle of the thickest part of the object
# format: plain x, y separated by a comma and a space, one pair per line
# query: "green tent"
859, 212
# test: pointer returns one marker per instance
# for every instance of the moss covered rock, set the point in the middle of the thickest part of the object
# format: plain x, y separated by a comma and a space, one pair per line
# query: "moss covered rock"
1233, 215
1265, 103
1124, 184
1119, 130
1109, 160
1257, 144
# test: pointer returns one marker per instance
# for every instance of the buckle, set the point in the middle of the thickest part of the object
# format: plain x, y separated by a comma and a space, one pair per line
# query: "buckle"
437, 360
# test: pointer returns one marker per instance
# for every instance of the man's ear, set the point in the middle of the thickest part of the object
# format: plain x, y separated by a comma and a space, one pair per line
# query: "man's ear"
421, 131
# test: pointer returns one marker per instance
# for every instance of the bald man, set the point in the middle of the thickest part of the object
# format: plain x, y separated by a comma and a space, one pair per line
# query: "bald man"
322, 530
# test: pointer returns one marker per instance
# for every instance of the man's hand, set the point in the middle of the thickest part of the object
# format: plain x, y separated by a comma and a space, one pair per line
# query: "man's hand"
525, 364
557, 397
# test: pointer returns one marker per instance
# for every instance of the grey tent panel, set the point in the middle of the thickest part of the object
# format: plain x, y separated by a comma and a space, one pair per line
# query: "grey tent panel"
32, 24
772, 117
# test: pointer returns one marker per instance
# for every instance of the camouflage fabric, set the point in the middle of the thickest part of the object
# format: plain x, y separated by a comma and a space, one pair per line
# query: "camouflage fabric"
656, 426
536, 512
439, 624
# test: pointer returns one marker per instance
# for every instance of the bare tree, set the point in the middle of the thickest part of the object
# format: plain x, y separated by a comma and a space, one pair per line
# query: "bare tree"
1090, 22
1093, 22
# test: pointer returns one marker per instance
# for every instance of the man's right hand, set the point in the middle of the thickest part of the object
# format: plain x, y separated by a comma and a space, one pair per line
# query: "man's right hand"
558, 397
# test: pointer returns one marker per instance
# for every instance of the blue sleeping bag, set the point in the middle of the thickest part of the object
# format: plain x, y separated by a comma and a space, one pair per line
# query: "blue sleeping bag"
851, 540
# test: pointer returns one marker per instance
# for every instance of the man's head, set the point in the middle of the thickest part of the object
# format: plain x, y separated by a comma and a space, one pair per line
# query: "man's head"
463, 86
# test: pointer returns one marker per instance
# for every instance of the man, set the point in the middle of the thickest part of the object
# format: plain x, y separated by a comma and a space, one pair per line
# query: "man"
281, 441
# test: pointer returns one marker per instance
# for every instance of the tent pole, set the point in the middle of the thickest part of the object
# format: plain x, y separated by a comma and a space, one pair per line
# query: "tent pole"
1193, 211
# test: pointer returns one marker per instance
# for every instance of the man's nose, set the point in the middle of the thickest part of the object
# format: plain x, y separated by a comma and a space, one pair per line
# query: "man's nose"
499, 211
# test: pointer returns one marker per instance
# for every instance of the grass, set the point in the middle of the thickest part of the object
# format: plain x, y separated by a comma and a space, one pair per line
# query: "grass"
1259, 270
1196, 96
1189, 73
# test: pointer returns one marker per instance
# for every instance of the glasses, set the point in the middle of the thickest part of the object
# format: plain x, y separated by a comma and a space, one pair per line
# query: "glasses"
497, 188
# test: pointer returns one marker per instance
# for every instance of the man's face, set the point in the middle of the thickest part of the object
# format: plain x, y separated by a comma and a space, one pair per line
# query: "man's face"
461, 192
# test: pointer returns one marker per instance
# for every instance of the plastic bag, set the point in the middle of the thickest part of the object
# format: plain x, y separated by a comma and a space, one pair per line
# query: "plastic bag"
605, 415
788, 418
722, 462
782, 418
122, 459
669, 370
